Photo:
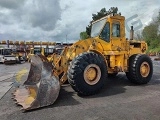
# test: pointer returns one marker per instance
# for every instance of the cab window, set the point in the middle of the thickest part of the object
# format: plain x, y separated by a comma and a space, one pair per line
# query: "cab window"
116, 29
105, 34
7, 52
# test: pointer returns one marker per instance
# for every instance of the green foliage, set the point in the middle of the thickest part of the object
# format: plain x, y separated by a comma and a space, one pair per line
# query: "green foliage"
103, 12
88, 30
150, 33
151, 36
83, 35
156, 50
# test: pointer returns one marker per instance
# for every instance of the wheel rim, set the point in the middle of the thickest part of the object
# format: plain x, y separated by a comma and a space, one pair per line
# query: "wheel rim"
144, 69
92, 74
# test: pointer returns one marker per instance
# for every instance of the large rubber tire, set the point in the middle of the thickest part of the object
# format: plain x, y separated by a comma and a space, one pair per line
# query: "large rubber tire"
134, 74
76, 73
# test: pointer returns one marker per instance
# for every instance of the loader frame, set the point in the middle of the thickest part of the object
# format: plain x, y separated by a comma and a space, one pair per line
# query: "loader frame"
116, 52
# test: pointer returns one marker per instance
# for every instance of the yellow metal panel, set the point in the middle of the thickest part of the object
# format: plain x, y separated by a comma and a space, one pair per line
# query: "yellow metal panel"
35, 43
3, 42
11, 42
120, 63
44, 43
16, 42
27, 43
21, 42
112, 61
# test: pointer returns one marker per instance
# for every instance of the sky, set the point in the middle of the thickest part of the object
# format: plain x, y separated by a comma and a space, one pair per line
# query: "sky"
63, 20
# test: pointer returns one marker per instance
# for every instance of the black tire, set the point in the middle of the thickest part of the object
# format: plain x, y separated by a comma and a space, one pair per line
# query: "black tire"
112, 74
134, 74
76, 73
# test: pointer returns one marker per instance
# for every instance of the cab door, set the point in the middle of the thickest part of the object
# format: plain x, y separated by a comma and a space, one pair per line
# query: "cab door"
116, 36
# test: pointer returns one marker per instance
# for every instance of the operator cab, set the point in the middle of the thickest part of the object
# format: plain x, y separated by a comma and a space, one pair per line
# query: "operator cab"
110, 29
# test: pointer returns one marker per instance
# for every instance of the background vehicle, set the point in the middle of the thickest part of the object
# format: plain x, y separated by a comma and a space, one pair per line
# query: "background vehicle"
86, 64
7, 56
40, 51
34, 51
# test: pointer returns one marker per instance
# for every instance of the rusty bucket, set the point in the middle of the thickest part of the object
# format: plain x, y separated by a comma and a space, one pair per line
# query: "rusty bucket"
41, 88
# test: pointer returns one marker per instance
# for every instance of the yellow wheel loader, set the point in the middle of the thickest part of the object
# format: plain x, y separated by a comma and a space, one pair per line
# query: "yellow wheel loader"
86, 64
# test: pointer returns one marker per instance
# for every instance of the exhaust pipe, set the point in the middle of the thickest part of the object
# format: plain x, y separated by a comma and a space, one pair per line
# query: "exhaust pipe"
131, 33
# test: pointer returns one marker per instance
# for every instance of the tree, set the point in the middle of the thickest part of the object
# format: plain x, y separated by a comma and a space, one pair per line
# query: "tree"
151, 34
83, 35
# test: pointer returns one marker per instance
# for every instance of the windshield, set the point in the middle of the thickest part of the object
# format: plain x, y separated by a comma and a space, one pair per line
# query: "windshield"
7, 52
48, 51
97, 27
37, 51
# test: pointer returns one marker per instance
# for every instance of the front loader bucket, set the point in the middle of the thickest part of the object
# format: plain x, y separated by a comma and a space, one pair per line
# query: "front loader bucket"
41, 88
